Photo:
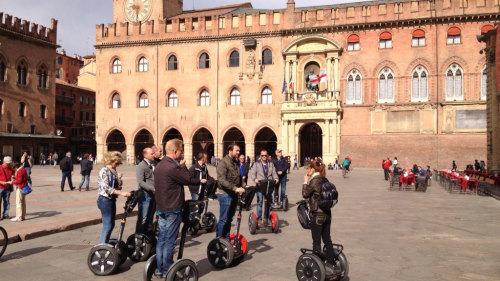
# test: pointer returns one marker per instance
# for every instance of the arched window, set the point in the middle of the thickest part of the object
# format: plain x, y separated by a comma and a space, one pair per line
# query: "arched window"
204, 61
172, 63
418, 38
234, 97
484, 85
117, 66
204, 98
43, 111
385, 40
173, 99
354, 91
267, 57
3, 69
115, 101
453, 35
42, 77
486, 28
143, 64
21, 110
1, 108
454, 83
22, 73
143, 100
234, 59
353, 42
267, 96
386, 86
419, 84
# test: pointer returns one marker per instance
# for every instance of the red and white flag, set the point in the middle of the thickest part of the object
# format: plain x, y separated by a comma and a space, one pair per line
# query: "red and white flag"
318, 78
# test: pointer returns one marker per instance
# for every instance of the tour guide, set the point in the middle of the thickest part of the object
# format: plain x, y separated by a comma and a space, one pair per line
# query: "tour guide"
170, 176
228, 176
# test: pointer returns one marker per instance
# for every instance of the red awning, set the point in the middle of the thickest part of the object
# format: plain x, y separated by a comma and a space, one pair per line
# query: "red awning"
454, 31
419, 33
385, 36
486, 28
353, 38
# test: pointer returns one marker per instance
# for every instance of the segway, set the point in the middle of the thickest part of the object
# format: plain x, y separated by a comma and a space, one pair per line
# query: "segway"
223, 253
105, 258
140, 246
283, 206
267, 188
182, 269
207, 221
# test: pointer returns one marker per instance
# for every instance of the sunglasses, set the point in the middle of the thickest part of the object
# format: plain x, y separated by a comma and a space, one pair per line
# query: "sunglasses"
263, 155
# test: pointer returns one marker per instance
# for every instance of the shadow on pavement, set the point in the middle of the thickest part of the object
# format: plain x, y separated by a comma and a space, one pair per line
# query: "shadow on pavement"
24, 253
46, 214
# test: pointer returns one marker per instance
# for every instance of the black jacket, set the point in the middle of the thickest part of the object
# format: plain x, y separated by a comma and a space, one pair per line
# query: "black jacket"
86, 167
198, 172
281, 165
246, 169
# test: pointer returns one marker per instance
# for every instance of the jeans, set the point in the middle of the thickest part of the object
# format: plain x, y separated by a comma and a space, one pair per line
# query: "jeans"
28, 171
5, 197
194, 196
64, 176
386, 173
227, 206
146, 207
169, 229
267, 205
108, 213
282, 182
85, 178
320, 228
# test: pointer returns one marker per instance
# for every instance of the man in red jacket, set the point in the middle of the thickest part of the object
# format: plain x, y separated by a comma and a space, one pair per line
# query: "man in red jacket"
6, 173
387, 165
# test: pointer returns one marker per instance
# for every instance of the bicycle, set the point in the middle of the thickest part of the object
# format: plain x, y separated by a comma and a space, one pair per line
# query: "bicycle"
4, 240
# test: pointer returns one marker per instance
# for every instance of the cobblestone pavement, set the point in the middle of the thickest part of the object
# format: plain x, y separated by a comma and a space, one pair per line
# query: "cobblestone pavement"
387, 235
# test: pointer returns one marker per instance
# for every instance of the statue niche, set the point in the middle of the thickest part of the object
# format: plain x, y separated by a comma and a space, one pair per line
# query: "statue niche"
310, 70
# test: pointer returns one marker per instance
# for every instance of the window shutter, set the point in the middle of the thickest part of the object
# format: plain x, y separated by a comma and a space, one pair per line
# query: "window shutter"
449, 85
423, 86
458, 85
358, 89
382, 87
350, 89
390, 87
414, 86
484, 78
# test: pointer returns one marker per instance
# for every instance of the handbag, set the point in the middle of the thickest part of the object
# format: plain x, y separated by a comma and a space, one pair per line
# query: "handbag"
26, 190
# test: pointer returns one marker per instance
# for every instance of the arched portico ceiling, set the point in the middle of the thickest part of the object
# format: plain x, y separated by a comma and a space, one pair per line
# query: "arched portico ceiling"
312, 44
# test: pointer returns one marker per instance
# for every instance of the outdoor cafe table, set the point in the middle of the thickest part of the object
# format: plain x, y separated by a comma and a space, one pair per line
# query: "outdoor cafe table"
407, 180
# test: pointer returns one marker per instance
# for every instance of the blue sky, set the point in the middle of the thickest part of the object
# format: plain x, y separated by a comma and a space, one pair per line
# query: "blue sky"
77, 18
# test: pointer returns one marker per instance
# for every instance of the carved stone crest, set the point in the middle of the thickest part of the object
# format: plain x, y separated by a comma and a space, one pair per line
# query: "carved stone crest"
250, 63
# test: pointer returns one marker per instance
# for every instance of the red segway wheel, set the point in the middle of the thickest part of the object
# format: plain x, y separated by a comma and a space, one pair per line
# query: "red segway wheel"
252, 223
275, 221
241, 251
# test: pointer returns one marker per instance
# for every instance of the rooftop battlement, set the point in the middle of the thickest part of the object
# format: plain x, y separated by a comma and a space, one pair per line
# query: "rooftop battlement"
31, 29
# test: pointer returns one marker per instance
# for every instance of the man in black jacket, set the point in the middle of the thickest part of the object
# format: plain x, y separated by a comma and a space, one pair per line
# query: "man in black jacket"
199, 171
244, 169
281, 165
170, 176
66, 166
86, 167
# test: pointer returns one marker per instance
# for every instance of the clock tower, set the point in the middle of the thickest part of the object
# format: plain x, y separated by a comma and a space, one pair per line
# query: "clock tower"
145, 10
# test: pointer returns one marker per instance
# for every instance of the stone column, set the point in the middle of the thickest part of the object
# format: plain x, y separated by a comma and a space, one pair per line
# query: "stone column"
284, 136
293, 138
101, 150
337, 129
130, 153
327, 128
188, 153
294, 79
220, 152
336, 75
250, 149
329, 76
287, 78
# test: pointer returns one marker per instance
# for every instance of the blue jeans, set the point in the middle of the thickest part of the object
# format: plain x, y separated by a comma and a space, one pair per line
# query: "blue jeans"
194, 196
146, 207
28, 171
85, 178
259, 205
282, 182
5, 196
108, 213
63, 181
227, 206
169, 229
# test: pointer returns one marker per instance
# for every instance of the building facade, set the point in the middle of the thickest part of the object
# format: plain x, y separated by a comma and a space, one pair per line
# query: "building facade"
368, 80
27, 86
68, 67
87, 76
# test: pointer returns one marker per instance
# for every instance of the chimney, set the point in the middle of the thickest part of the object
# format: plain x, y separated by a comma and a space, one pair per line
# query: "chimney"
290, 5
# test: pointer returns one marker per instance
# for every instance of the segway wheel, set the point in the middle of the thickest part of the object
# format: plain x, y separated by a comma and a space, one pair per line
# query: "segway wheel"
183, 270
252, 223
121, 249
242, 250
139, 247
285, 204
275, 222
149, 269
342, 264
220, 253
103, 259
210, 221
310, 268
193, 229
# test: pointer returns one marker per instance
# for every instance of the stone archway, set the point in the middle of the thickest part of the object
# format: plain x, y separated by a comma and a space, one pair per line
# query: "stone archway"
142, 140
170, 135
116, 141
233, 135
265, 139
203, 141
311, 141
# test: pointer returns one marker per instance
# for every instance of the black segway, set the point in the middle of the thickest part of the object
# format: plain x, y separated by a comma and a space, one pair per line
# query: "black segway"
105, 258
182, 269
141, 246
201, 218
283, 206
223, 253
267, 188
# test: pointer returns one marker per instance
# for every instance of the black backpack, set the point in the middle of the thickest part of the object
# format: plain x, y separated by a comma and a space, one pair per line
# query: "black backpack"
64, 165
303, 214
329, 195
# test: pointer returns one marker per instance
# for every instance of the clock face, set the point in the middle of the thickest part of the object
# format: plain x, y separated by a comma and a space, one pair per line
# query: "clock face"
137, 10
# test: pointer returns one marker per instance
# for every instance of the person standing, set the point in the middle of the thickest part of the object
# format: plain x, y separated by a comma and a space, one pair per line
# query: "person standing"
230, 184
109, 188
170, 176
395, 162
86, 167
42, 159
6, 174
158, 154
244, 168
146, 201
263, 172
27, 162
20, 181
453, 166
387, 165
295, 163
66, 166
199, 171
55, 157
281, 165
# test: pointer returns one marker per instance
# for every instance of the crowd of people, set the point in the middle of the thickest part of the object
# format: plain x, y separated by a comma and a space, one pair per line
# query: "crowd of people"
393, 169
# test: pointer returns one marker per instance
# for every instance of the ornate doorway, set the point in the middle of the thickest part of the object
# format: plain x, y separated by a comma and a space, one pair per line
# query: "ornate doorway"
311, 141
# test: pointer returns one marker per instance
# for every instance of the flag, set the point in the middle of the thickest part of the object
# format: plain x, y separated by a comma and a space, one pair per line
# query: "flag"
290, 84
284, 84
318, 78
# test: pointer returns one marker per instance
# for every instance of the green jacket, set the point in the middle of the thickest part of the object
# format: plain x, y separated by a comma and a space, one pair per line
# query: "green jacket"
228, 175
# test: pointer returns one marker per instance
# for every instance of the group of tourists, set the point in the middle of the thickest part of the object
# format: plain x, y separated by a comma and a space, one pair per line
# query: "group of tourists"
13, 177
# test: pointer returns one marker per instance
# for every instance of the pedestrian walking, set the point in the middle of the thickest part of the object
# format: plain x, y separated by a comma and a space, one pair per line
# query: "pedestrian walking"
86, 167
55, 157
5, 189
295, 163
146, 202
27, 162
42, 159
453, 166
281, 165
20, 181
66, 166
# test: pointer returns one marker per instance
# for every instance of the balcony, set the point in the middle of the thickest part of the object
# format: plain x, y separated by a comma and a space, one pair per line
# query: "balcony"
312, 102
63, 99
87, 124
64, 120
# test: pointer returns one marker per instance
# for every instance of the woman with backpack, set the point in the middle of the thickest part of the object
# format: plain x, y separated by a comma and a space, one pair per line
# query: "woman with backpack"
313, 190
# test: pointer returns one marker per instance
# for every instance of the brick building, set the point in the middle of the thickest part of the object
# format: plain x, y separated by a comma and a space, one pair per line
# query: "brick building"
27, 86
68, 68
368, 80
